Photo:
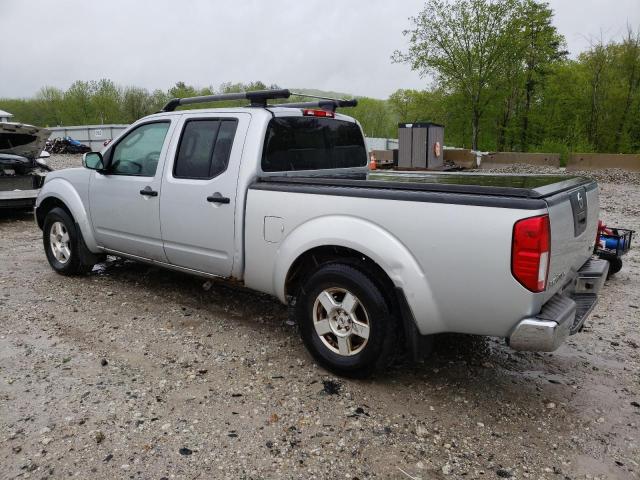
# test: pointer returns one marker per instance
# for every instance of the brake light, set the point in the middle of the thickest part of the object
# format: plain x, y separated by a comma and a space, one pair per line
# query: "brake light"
530, 252
317, 113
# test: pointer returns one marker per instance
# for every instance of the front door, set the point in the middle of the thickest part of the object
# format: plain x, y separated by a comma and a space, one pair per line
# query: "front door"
124, 202
197, 207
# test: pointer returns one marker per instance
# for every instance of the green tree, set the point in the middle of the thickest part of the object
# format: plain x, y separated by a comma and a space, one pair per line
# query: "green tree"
374, 116
50, 102
77, 107
106, 101
467, 45
628, 74
136, 103
542, 47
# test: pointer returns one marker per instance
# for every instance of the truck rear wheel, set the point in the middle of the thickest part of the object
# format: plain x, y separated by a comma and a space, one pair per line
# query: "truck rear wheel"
345, 321
63, 243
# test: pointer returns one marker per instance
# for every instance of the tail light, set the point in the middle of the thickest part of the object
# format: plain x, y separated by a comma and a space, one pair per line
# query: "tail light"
530, 252
317, 113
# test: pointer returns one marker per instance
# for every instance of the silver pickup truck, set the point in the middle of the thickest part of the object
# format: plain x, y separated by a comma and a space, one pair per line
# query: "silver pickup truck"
280, 198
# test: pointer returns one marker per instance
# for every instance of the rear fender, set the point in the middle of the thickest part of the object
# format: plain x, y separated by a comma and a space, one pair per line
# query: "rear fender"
374, 242
64, 191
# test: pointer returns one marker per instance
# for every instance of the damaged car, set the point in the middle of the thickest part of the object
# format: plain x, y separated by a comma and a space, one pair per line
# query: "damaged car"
22, 171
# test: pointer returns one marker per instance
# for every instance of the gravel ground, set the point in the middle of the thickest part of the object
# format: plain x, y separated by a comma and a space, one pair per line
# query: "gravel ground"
136, 372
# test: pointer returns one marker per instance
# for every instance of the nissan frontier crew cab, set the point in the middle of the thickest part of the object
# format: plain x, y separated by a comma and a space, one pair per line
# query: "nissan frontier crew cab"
280, 198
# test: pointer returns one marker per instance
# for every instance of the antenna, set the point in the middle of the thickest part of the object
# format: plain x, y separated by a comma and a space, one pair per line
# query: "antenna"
329, 105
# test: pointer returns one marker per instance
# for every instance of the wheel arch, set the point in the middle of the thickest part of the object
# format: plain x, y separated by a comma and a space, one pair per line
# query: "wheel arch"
363, 242
61, 193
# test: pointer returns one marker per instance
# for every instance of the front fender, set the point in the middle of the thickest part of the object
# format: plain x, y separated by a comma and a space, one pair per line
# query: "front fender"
371, 240
64, 191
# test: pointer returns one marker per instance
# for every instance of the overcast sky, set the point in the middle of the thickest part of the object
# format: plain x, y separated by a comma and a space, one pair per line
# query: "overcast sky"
338, 45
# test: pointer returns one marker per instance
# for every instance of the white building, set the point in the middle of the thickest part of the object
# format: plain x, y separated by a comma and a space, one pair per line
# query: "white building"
5, 116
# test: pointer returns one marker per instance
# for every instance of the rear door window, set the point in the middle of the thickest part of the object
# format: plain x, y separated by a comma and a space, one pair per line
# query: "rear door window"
312, 143
204, 149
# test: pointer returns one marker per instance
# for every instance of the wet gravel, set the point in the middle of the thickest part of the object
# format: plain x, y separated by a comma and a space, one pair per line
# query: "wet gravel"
136, 372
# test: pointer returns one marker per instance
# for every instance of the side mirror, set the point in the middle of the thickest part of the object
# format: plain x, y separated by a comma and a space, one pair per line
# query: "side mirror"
93, 161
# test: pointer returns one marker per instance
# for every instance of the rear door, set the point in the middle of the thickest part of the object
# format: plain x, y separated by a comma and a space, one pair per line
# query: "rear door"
197, 207
125, 202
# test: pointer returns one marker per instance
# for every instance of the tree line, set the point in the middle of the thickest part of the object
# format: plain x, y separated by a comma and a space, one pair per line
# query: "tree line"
502, 80
498, 76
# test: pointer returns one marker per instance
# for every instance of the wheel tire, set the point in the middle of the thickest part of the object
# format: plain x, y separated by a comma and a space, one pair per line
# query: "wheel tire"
615, 265
372, 309
59, 225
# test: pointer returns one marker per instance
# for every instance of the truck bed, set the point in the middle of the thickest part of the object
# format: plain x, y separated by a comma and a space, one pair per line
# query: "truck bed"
505, 191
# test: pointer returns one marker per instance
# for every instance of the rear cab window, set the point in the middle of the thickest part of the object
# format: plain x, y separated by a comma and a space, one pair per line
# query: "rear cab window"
312, 143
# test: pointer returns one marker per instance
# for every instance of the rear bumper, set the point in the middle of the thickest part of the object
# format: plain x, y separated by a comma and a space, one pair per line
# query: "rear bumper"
18, 198
564, 314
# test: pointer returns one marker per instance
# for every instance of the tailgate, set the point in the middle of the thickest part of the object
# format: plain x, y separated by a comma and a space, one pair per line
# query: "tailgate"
573, 217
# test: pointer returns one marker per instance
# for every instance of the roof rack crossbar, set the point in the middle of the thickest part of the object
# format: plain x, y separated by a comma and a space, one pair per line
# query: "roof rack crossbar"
257, 98
329, 105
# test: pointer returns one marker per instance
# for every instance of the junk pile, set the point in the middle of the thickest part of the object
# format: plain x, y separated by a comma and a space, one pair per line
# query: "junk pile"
22, 171
66, 145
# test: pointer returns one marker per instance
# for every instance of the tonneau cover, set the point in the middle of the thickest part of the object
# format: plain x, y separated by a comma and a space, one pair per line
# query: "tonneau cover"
504, 185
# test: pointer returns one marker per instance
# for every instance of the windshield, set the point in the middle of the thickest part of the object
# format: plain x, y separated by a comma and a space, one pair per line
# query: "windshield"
312, 143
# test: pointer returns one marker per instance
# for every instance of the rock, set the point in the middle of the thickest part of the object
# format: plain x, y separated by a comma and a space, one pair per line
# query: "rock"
635, 404
206, 286
17, 449
550, 405
107, 458
98, 436
185, 451
331, 387
446, 469
104, 362
504, 473
361, 411
46, 440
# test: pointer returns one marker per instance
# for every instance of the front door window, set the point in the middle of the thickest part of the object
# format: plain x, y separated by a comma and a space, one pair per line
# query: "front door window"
139, 152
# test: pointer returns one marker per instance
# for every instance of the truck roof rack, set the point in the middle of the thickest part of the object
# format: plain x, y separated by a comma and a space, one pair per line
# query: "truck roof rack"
258, 98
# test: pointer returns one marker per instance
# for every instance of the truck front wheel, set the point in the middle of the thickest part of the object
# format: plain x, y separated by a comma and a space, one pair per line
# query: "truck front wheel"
63, 243
345, 320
